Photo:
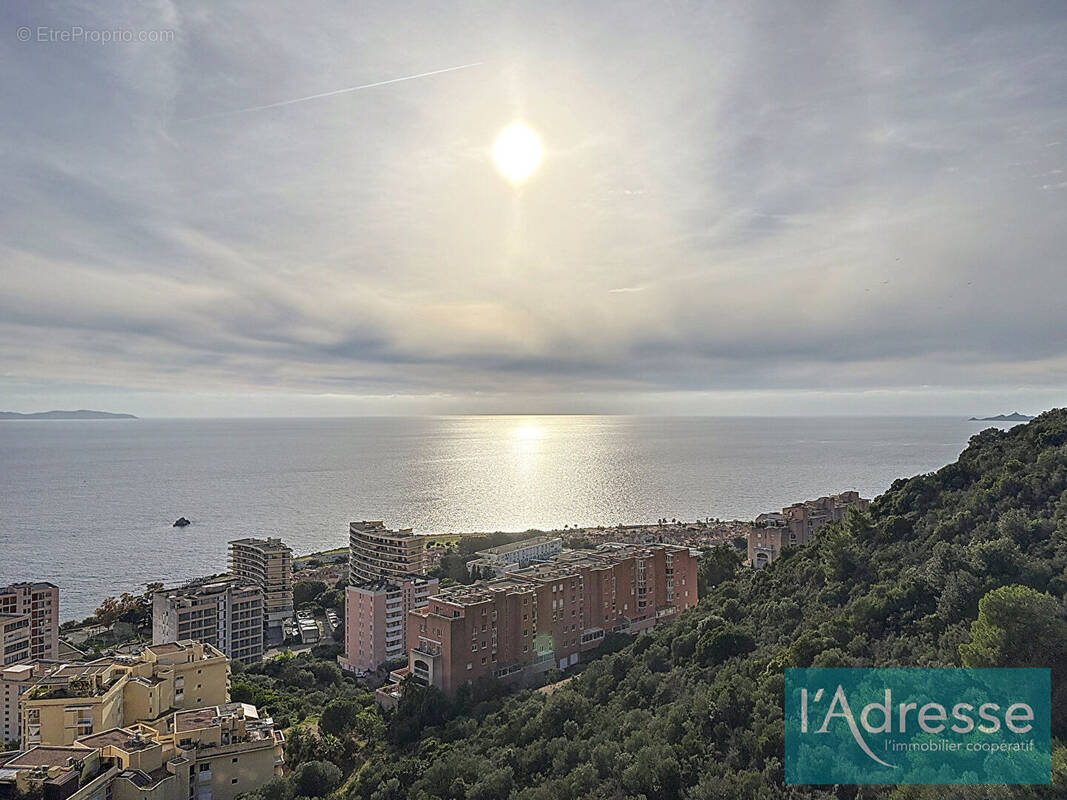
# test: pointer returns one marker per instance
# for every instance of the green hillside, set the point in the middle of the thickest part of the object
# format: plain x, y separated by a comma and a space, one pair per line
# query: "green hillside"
962, 567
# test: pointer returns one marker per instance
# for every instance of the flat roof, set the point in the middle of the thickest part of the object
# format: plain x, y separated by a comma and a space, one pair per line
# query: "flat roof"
48, 756
83, 670
204, 717
378, 528
268, 544
195, 719
504, 549
480, 592
560, 566
28, 585
121, 738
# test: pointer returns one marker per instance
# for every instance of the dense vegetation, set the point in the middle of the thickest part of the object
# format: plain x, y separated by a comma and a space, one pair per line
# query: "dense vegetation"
316, 596
963, 567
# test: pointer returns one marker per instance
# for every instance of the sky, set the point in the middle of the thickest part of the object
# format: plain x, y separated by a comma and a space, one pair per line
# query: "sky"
752, 207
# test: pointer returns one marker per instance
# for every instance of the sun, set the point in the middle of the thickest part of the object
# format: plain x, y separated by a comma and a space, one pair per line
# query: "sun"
517, 152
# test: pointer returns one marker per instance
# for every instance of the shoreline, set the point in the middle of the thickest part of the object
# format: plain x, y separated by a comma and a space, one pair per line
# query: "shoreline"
454, 538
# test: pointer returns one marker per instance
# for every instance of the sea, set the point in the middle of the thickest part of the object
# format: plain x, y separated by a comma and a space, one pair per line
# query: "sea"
89, 505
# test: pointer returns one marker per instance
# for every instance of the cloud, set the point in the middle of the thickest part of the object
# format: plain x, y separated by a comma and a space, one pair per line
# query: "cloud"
735, 199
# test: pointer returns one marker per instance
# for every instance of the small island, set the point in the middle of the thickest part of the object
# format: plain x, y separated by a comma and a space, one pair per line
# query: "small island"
80, 414
1014, 416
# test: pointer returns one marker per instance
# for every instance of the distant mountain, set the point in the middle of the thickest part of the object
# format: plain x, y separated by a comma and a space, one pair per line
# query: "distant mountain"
80, 414
1014, 416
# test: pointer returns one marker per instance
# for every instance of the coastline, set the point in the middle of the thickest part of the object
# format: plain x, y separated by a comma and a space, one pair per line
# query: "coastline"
697, 533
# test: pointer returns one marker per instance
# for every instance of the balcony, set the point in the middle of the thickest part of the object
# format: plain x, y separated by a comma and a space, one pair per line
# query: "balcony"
428, 649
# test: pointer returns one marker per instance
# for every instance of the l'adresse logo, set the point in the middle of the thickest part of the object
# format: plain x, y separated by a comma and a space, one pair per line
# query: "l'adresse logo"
917, 726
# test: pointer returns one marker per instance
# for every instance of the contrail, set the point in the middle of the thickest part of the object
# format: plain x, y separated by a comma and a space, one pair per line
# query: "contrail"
329, 94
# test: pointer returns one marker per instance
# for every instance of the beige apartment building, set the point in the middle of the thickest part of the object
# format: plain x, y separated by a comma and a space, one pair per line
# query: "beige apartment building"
15, 681
224, 612
70, 701
210, 753
267, 563
29, 622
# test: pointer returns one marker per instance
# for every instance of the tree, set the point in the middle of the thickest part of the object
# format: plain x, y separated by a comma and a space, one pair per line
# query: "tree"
717, 565
1019, 627
339, 716
307, 591
316, 778
108, 612
274, 789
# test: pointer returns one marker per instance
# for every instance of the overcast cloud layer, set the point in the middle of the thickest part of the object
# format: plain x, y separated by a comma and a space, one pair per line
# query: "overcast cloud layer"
766, 207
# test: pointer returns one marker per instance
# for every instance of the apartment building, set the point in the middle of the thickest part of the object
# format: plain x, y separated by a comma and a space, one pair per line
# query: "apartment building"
267, 563
29, 622
376, 619
211, 753
516, 555
15, 681
385, 582
375, 552
225, 612
546, 614
68, 701
796, 524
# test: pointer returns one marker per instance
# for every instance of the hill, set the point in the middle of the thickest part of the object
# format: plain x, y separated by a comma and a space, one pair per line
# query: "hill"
694, 710
80, 414
1014, 416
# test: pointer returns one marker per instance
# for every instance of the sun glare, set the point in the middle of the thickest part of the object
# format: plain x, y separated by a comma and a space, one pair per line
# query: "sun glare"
526, 433
517, 152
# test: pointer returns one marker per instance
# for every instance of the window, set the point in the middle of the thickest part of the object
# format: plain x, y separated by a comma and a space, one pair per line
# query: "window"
233, 780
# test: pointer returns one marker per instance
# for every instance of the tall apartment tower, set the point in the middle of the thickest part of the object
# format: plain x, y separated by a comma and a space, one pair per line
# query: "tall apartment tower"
385, 583
29, 622
376, 552
268, 563
225, 613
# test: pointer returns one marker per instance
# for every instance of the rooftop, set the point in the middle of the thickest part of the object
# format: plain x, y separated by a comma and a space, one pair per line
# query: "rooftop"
211, 715
121, 738
145, 780
390, 584
33, 585
196, 719
48, 757
267, 545
556, 567
481, 592
378, 529
212, 584
504, 549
